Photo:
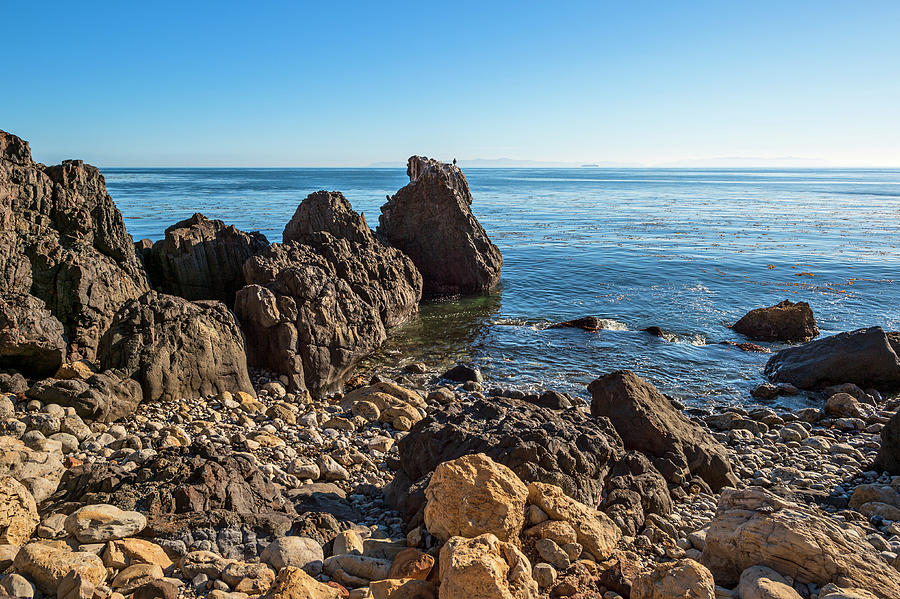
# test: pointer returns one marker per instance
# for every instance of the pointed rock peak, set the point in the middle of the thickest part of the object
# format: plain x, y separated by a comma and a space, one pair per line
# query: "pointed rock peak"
330, 212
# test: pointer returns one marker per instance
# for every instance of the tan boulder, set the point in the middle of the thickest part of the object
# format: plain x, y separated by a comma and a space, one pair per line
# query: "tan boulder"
74, 370
754, 527
38, 470
485, 568
103, 522
294, 583
474, 495
558, 531
253, 579
596, 532
682, 579
124, 552
18, 512
402, 588
760, 582
202, 562
46, 563
75, 586
134, 576
411, 563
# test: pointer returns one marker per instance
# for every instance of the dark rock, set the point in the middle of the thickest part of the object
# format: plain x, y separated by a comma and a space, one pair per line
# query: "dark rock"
328, 212
888, 458
655, 331
202, 259
176, 348
31, 338
12, 382
330, 502
431, 221
63, 240
750, 347
156, 589
866, 357
566, 448
785, 321
587, 323
647, 422
319, 526
551, 399
105, 396
462, 373
634, 489
765, 391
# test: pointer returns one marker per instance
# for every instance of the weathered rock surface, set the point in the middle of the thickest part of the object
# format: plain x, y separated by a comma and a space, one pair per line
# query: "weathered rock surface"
594, 529
634, 489
648, 423
47, 563
177, 348
484, 568
297, 552
294, 583
754, 527
888, 458
63, 240
105, 396
682, 579
760, 582
785, 321
431, 221
317, 304
202, 259
18, 512
103, 522
39, 471
474, 495
866, 357
566, 448
31, 338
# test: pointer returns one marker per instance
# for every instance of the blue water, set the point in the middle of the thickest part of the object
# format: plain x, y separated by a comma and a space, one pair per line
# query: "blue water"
687, 250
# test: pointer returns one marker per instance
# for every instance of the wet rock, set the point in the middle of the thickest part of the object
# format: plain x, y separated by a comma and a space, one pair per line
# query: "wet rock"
31, 338
785, 321
682, 579
462, 373
866, 357
47, 563
586, 323
431, 221
648, 423
176, 348
18, 512
485, 568
105, 396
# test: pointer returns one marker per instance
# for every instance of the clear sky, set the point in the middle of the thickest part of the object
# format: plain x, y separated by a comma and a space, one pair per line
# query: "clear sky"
346, 83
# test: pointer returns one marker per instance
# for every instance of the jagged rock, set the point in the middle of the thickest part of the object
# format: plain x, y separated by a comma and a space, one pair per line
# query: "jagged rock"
105, 396
18, 512
39, 471
63, 240
431, 221
12, 382
484, 568
31, 338
866, 357
785, 321
317, 304
634, 489
888, 458
46, 563
176, 348
648, 423
755, 527
566, 448
202, 259
474, 495
682, 579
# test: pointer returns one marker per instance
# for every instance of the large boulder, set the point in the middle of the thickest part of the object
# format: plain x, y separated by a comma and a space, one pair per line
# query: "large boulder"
594, 530
682, 579
202, 259
39, 471
63, 240
649, 423
785, 321
18, 512
566, 448
485, 568
317, 304
888, 458
177, 348
755, 527
46, 563
431, 220
31, 338
104, 396
866, 357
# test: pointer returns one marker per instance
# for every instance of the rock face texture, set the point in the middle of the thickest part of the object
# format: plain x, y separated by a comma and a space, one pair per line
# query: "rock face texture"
18, 512
105, 396
648, 423
431, 221
682, 579
64, 241
31, 338
202, 259
785, 321
754, 527
566, 448
888, 458
485, 568
317, 304
866, 357
176, 348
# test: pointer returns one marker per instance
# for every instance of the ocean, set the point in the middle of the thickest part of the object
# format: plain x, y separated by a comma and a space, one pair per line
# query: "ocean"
689, 251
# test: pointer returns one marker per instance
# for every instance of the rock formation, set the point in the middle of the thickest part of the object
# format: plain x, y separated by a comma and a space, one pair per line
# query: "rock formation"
64, 241
485, 568
785, 321
31, 338
176, 348
202, 259
105, 396
888, 459
866, 357
431, 221
648, 423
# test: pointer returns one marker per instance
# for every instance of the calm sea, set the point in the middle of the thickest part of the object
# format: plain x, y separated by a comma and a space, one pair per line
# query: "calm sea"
686, 250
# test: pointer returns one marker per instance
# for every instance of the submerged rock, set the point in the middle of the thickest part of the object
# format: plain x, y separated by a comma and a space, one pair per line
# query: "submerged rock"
31, 338
431, 221
785, 321
586, 323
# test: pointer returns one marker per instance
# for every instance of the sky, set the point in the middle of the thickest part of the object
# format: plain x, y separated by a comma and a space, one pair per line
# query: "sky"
353, 83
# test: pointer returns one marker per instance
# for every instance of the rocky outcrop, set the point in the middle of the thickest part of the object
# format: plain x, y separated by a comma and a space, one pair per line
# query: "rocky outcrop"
566, 448
318, 303
63, 240
754, 527
648, 422
202, 259
785, 321
866, 357
105, 396
485, 568
431, 221
176, 348
31, 338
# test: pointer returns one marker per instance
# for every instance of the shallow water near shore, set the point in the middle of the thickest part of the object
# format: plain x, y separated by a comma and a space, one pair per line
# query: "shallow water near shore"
689, 251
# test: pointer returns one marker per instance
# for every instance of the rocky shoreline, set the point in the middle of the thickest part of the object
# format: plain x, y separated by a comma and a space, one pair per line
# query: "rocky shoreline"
181, 419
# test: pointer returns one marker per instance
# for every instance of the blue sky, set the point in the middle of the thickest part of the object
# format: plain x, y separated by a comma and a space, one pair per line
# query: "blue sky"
346, 83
